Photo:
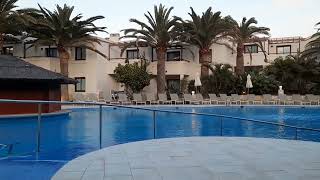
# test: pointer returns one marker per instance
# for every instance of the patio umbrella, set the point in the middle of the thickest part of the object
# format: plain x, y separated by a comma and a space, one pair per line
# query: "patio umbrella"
249, 83
197, 81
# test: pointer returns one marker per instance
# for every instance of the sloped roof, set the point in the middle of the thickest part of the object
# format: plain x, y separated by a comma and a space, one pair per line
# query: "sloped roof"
13, 68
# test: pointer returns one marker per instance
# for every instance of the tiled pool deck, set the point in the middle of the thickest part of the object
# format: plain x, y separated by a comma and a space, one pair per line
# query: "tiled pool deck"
199, 158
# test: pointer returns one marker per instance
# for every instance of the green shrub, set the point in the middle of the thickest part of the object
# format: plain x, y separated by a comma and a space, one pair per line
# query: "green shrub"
135, 76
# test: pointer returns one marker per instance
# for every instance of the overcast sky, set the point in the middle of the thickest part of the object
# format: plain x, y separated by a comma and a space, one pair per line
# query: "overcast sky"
283, 17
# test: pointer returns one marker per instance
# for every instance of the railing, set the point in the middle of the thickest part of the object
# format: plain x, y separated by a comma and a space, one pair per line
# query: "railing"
154, 120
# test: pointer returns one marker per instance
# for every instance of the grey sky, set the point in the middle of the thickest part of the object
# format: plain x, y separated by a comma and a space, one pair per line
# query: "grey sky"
284, 17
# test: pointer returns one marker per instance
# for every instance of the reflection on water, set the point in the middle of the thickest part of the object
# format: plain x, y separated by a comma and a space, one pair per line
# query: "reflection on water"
281, 121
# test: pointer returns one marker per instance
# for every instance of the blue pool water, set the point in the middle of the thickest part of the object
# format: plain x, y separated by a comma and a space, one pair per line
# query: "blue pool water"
66, 137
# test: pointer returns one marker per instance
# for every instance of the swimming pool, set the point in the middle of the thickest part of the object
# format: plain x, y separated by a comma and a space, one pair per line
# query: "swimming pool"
66, 137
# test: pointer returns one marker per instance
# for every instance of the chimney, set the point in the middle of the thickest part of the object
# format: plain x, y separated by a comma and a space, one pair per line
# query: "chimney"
115, 37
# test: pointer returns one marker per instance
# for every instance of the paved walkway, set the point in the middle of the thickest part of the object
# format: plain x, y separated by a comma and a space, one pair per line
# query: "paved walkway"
199, 158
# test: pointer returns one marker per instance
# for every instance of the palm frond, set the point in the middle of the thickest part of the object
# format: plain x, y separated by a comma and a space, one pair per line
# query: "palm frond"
159, 30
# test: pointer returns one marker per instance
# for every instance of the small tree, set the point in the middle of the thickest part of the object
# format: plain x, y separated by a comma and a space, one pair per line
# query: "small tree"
134, 76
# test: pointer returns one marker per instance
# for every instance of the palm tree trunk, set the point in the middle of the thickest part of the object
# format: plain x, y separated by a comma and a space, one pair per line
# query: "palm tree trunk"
64, 69
1, 43
205, 59
161, 69
240, 59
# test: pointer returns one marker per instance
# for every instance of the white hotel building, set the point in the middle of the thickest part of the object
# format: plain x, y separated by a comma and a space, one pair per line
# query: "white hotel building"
94, 72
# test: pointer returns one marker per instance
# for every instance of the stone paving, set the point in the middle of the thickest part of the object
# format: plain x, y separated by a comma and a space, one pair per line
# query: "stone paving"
199, 158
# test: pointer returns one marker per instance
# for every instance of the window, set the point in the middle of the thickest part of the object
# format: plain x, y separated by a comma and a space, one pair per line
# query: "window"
284, 49
173, 85
173, 56
8, 50
133, 54
81, 84
80, 53
51, 52
253, 48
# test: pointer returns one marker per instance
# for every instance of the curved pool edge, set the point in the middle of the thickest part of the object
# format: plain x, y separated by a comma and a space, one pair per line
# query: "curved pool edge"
191, 152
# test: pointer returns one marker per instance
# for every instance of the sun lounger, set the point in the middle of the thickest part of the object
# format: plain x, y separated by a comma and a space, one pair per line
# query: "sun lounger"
151, 98
123, 99
79, 97
297, 99
163, 99
235, 99
92, 97
313, 99
108, 99
285, 100
101, 97
267, 99
137, 99
213, 98
244, 99
253, 99
318, 98
202, 100
188, 99
223, 99
175, 99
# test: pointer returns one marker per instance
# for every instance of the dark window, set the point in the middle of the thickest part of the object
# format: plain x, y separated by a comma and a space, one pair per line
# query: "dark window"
80, 53
173, 56
132, 54
8, 50
173, 85
81, 84
284, 49
51, 52
253, 48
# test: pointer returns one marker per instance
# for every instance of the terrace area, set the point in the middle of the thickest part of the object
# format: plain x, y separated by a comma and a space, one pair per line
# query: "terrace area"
202, 158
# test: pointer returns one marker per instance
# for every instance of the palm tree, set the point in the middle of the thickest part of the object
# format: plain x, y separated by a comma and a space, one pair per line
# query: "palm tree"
12, 22
203, 31
59, 28
159, 33
242, 33
313, 47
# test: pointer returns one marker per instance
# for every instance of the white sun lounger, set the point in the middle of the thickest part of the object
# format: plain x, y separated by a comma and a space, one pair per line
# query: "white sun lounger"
267, 99
285, 100
213, 98
79, 97
123, 99
109, 100
297, 99
223, 99
92, 97
202, 100
235, 99
151, 98
175, 99
137, 99
313, 99
191, 99
163, 99
244, 99
253, 99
